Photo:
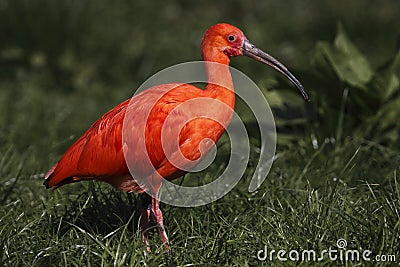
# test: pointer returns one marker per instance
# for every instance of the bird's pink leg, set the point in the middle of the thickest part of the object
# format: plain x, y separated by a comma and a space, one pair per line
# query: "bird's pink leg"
144, 219
158, 217
150, 206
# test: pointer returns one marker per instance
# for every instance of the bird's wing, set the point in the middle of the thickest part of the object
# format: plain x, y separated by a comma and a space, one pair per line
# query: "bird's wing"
99, 152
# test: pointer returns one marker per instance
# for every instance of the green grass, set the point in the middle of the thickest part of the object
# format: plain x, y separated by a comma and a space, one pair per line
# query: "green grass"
311, 199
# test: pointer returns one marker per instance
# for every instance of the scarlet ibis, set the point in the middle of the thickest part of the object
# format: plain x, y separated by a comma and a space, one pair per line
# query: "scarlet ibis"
98, 153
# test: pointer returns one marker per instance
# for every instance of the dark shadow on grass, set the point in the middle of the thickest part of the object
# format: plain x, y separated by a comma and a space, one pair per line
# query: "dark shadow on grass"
98, 211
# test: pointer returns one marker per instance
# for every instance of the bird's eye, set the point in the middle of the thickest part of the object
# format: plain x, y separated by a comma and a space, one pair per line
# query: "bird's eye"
231, 38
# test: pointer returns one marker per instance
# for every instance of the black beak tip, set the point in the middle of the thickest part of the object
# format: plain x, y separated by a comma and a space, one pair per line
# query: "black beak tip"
306, 98
302, 91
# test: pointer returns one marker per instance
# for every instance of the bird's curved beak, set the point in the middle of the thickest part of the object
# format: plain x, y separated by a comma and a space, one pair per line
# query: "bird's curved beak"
250, 50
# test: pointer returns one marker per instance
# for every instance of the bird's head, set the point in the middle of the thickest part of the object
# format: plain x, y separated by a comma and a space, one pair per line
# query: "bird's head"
223, 41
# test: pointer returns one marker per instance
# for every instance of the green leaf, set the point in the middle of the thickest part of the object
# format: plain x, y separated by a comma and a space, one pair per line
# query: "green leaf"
385, 84
355, 69
347, 62
385, 81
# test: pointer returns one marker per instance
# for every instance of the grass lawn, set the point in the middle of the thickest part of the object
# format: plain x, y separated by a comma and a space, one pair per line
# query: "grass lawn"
311, 199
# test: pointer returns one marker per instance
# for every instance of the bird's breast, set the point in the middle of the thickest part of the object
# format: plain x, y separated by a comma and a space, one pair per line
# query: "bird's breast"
177, 129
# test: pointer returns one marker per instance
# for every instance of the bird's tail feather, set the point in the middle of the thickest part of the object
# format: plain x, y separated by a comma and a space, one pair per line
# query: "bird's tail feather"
54, 180
48, 176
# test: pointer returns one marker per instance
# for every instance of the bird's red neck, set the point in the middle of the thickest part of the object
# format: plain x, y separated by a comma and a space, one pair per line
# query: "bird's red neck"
220, 85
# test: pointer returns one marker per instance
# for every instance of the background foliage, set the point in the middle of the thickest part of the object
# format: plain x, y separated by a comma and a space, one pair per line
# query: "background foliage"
64, 63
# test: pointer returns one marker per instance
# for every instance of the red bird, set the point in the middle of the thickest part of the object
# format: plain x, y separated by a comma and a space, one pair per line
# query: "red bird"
99, 153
